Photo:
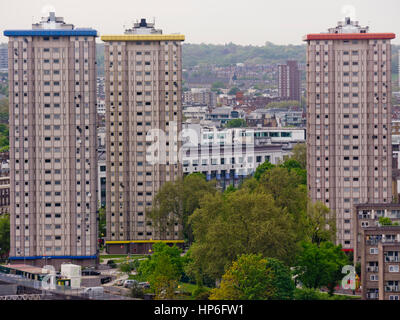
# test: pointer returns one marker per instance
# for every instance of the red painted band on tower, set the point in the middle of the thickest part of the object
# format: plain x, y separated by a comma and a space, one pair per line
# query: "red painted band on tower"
349, 36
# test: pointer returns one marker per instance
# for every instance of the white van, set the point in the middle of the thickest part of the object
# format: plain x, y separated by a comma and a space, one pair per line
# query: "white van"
93, 291
129, 283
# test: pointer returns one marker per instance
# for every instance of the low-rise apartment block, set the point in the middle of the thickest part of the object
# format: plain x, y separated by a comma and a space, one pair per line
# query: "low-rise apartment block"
379, 250
368, 215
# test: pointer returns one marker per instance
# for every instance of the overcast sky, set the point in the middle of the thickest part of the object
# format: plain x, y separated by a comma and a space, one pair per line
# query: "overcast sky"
210, 21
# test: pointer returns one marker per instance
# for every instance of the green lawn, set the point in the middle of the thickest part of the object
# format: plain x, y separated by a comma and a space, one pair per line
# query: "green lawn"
325, 296
118, 258
186, 287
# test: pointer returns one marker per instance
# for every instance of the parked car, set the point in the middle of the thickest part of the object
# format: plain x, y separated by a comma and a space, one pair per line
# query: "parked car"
111, 264
129, 283
144, 285
90, 273
119, 282
105, 280
93, 291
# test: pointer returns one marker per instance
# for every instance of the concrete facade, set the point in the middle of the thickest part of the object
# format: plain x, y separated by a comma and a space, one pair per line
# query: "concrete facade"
349, 150
368, 215
289, 81
53, 158
380, 262
143, 86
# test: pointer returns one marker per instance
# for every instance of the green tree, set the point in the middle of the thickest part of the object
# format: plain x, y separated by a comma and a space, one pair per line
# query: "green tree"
4, 130
283, 104
288, 191
321, 223
228, 54
216, 86
137, 291
385, 221
306, 294
176, 201
163, 269
4, 234
252, 277
300, 154
233, 91
237, 223
102, 222
321, 266
129, 266
265, 166
236, 123
230, 189
292, 164
201, 293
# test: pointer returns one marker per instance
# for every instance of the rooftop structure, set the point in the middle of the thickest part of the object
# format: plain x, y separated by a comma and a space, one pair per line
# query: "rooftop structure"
349, 30
143, 31
52, 26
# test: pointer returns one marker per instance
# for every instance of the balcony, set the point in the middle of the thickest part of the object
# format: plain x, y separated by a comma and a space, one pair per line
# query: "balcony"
392, 259
372, 269
376, 241
391, 288
390, 241
373, 296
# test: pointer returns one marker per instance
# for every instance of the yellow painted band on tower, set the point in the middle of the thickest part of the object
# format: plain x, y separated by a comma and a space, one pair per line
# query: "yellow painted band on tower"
144, 37
144, 241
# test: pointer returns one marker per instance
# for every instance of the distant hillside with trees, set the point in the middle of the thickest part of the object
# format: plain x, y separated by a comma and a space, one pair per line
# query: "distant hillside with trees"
198, 54
216, 54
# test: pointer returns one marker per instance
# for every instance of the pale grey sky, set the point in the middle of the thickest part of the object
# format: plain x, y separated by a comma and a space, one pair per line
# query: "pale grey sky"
211, 21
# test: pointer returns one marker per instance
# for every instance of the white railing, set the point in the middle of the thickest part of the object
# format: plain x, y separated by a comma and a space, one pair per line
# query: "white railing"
373, 296
391, 259
372, 269
391, 288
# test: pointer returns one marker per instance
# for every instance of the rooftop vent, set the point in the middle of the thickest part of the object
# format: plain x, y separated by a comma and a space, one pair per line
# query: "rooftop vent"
143, 23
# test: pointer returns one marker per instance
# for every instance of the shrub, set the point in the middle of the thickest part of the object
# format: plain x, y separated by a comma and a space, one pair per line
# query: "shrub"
137, 291
306, 294
201, 293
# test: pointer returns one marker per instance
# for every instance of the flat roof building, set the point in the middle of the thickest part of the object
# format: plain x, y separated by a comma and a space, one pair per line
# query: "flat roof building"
367, 215
380, 261
143, 89
53, 157
289, 81
349, 149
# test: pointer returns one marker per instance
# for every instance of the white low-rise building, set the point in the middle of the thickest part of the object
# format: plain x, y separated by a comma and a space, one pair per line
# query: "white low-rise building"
230, 155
